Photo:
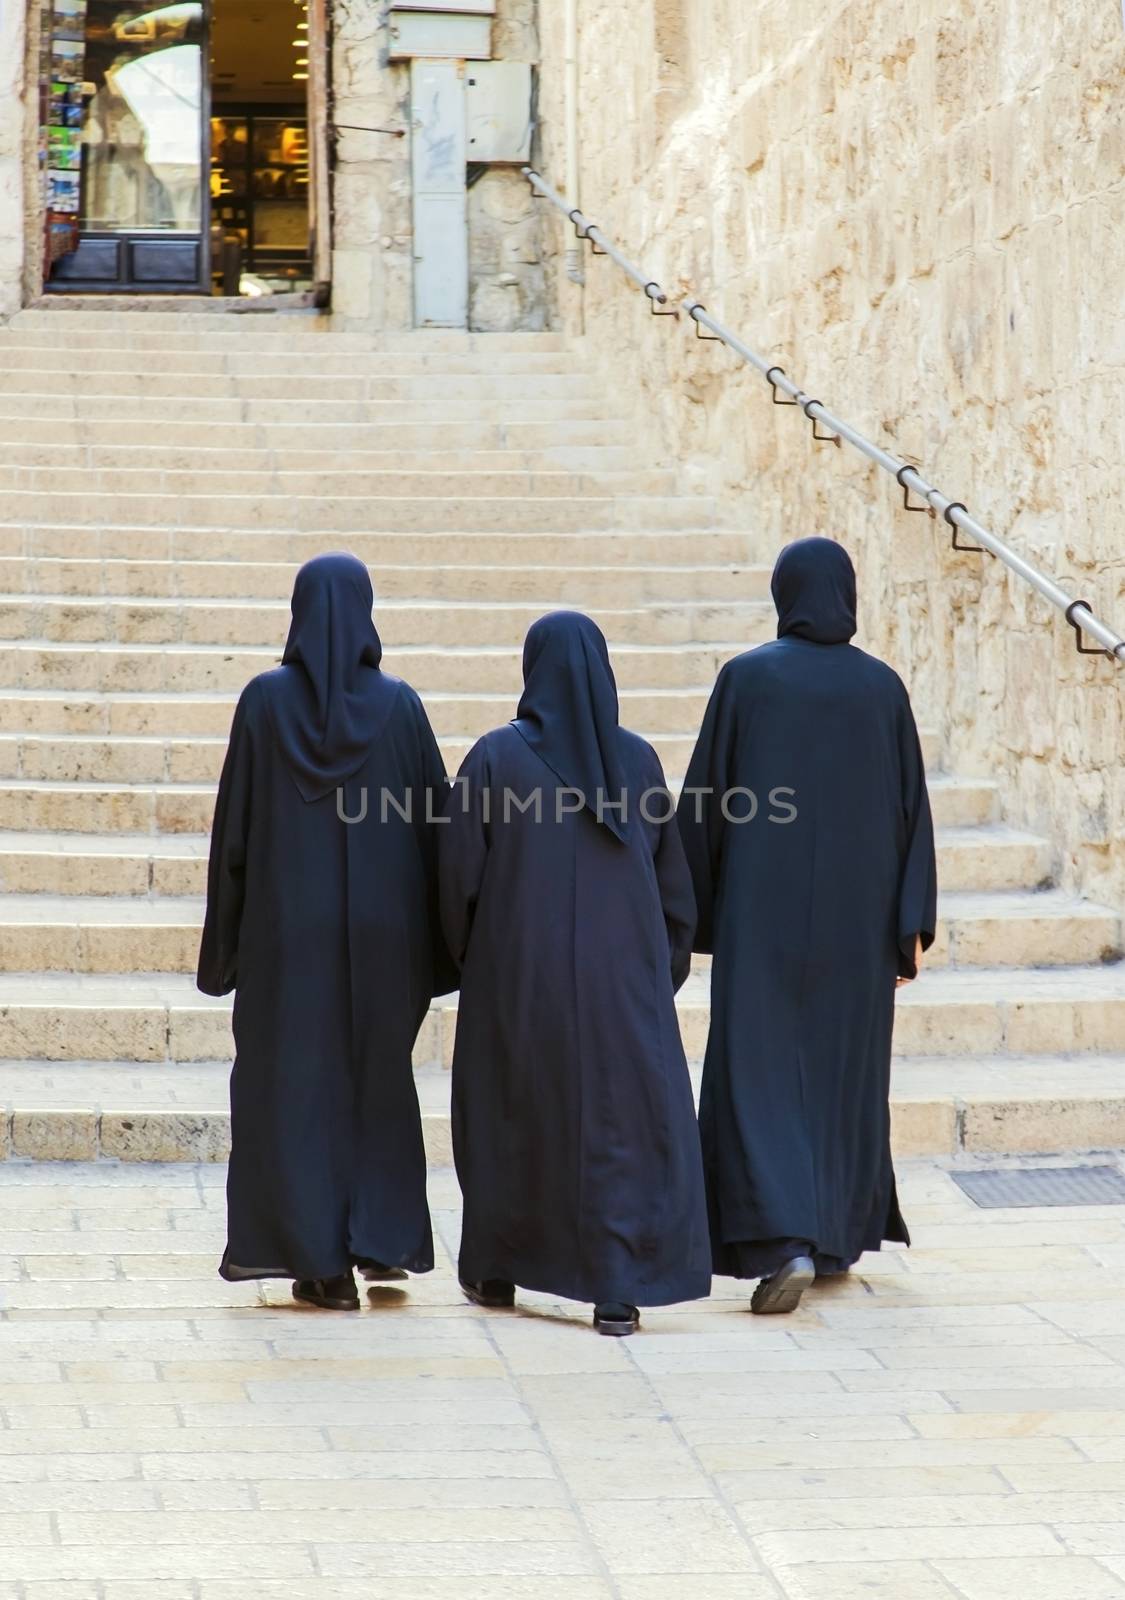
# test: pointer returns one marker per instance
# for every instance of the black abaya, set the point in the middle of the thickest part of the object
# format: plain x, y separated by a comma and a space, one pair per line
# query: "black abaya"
327, 931
573, 1124
811, 909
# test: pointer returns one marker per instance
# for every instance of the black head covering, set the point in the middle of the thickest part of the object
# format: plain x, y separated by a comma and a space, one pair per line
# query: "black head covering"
332, 700
568, 710
813, 588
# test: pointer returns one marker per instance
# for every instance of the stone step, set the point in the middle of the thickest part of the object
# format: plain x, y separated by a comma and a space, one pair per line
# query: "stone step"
288, 362
551, 458
101, 808
70, 393
105, 1110
84, 933
658, 713
483, 431
986, 858
347, 513
424, 406
111, 324
953, 1012
337, 484
282, 358
156, 758
70, 758
120, 580
613, 547
214, 668
58, 619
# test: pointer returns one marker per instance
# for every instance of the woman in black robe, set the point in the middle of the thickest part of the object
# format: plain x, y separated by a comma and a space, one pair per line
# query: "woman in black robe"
327, 930
573, 1124
816, 898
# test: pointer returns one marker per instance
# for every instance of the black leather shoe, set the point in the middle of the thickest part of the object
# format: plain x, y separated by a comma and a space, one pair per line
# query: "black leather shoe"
379, 1272
616, 1319
330, 1294
782, 1292
492, 1293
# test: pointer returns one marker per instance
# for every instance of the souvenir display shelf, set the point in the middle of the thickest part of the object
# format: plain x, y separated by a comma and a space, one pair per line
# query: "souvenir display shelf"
62, 61
260, 185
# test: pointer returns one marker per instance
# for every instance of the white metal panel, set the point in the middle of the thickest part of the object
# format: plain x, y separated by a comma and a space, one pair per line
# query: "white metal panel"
437, 158
446, 35
479, 8
498, 102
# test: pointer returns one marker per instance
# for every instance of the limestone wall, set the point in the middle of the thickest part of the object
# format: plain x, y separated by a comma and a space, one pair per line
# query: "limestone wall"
920, 209
14, 175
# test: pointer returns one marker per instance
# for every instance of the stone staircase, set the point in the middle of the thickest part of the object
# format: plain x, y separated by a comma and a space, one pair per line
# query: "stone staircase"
162, 474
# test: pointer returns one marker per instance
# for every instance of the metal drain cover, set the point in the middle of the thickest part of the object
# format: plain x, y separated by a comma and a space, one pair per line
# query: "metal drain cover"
1044, 1186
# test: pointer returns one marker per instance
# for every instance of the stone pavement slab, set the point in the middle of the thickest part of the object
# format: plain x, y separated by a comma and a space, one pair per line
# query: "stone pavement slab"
946, 1424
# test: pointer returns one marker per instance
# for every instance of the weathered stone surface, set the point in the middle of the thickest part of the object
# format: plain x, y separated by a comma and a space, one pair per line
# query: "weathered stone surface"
57, 1135
905, 212
16, 172
164, 1136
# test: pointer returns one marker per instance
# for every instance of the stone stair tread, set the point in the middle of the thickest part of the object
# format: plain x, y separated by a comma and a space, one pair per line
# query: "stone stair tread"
389, 605
193, 844
1003, 985
962, 903
204, 1085
90, 1110
189, 845
89, 786
14, 908
105, 910
972, 1077
266, 651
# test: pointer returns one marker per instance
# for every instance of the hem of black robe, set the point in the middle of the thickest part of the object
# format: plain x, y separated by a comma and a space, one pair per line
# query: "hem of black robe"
231, 1272
761, 1258
663, 1292
668, 1293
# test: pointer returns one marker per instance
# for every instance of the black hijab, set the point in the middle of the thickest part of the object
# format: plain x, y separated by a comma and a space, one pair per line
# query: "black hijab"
333, 701
813, 588
568, 710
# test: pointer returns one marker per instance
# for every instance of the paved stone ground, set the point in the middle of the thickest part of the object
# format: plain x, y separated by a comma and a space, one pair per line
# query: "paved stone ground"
948, 1423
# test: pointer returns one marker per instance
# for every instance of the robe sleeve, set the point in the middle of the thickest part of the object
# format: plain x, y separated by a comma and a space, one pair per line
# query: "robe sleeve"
217, 972
917, 900
463, 851
673, 879
702, 825
429, 804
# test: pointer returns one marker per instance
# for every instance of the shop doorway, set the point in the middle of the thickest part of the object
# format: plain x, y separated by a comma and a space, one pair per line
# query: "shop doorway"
184, 147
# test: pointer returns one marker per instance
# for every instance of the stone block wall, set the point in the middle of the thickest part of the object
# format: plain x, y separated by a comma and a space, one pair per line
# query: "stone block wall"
919, 211
15, 177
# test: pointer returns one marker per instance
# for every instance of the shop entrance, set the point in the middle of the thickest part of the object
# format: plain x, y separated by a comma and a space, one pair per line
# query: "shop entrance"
178, 148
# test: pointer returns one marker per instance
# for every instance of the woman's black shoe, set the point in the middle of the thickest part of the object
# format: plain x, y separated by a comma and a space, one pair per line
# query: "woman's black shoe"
379, 1272
616, 1319
330, 1294
492, 1293
782, 1292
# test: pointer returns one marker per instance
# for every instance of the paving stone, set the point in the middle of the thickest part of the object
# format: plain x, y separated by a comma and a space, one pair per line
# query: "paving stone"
243, 1449
1016, 1579
668, 1537
884, 1580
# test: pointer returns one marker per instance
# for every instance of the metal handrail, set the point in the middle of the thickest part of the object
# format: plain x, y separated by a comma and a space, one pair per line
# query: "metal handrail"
906, 473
